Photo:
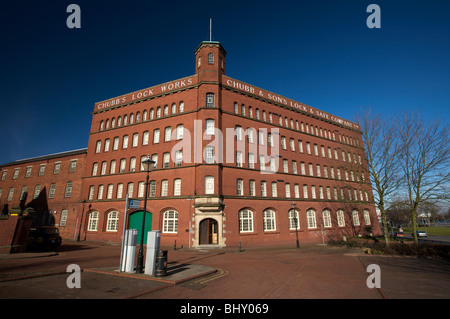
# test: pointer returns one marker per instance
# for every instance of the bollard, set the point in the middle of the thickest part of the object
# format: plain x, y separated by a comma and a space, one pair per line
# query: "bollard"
153, 240
129, 250
161, 264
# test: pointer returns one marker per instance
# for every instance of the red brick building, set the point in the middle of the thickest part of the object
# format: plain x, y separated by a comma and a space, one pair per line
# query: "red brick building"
231, 158
46, 188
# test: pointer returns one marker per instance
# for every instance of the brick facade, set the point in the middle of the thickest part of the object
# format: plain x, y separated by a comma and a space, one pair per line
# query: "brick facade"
217, 186
47, 188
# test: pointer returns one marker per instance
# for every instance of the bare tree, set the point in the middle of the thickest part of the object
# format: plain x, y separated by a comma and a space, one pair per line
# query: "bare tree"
425, 160
382, 153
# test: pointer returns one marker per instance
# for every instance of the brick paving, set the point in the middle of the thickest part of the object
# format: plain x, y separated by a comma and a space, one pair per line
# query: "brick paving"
311, 272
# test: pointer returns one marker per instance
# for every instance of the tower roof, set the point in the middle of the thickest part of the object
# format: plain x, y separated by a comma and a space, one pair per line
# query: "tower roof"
210, 43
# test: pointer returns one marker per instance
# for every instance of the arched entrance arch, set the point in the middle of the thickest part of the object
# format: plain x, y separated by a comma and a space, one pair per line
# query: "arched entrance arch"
208, 232
135, 222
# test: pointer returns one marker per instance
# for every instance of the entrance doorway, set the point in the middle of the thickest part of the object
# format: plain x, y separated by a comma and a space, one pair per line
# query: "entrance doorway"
208, 232
135, 222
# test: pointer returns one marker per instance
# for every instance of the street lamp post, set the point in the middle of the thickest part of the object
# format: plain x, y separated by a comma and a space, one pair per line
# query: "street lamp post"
148, 164
293, 204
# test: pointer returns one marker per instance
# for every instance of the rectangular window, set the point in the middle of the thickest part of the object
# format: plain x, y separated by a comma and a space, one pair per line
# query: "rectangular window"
177, 187
28, 171
287, 188
209, 154
296, 191
119, 190
145, 138
63, 220
239, 159
274, 189
152, 189
130, 189
37, 190
166, 160
164, 187
251, 160
125, 142
91, 192
56, 168
167, 134
239, 186
51, 192
98, 147
180, 131
16, 173
109, 191
251, 187
73, 166
106, 148
68, 191
285, 166
135, 139
263, 189
156, 136
133, 164
209, 99
24, 193
209, 123
141, 189
10, 194
178, 158
209, 184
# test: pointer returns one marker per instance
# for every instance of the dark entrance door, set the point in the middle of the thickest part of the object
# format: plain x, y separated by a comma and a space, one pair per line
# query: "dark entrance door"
208, 232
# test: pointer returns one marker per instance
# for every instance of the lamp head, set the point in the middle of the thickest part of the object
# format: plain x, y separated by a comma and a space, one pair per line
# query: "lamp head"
148, 163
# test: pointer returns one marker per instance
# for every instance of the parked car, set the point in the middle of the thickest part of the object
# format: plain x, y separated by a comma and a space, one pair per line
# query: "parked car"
421, 233
399, 235
44, 237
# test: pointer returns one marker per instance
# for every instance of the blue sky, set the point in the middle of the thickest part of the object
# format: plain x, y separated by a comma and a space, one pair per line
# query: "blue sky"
320, 53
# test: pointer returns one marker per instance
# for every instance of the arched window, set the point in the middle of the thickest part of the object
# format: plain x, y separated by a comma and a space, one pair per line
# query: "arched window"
170, 222
294, 221
112, 221
245, 221
93, 221
269, 220
311, 218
